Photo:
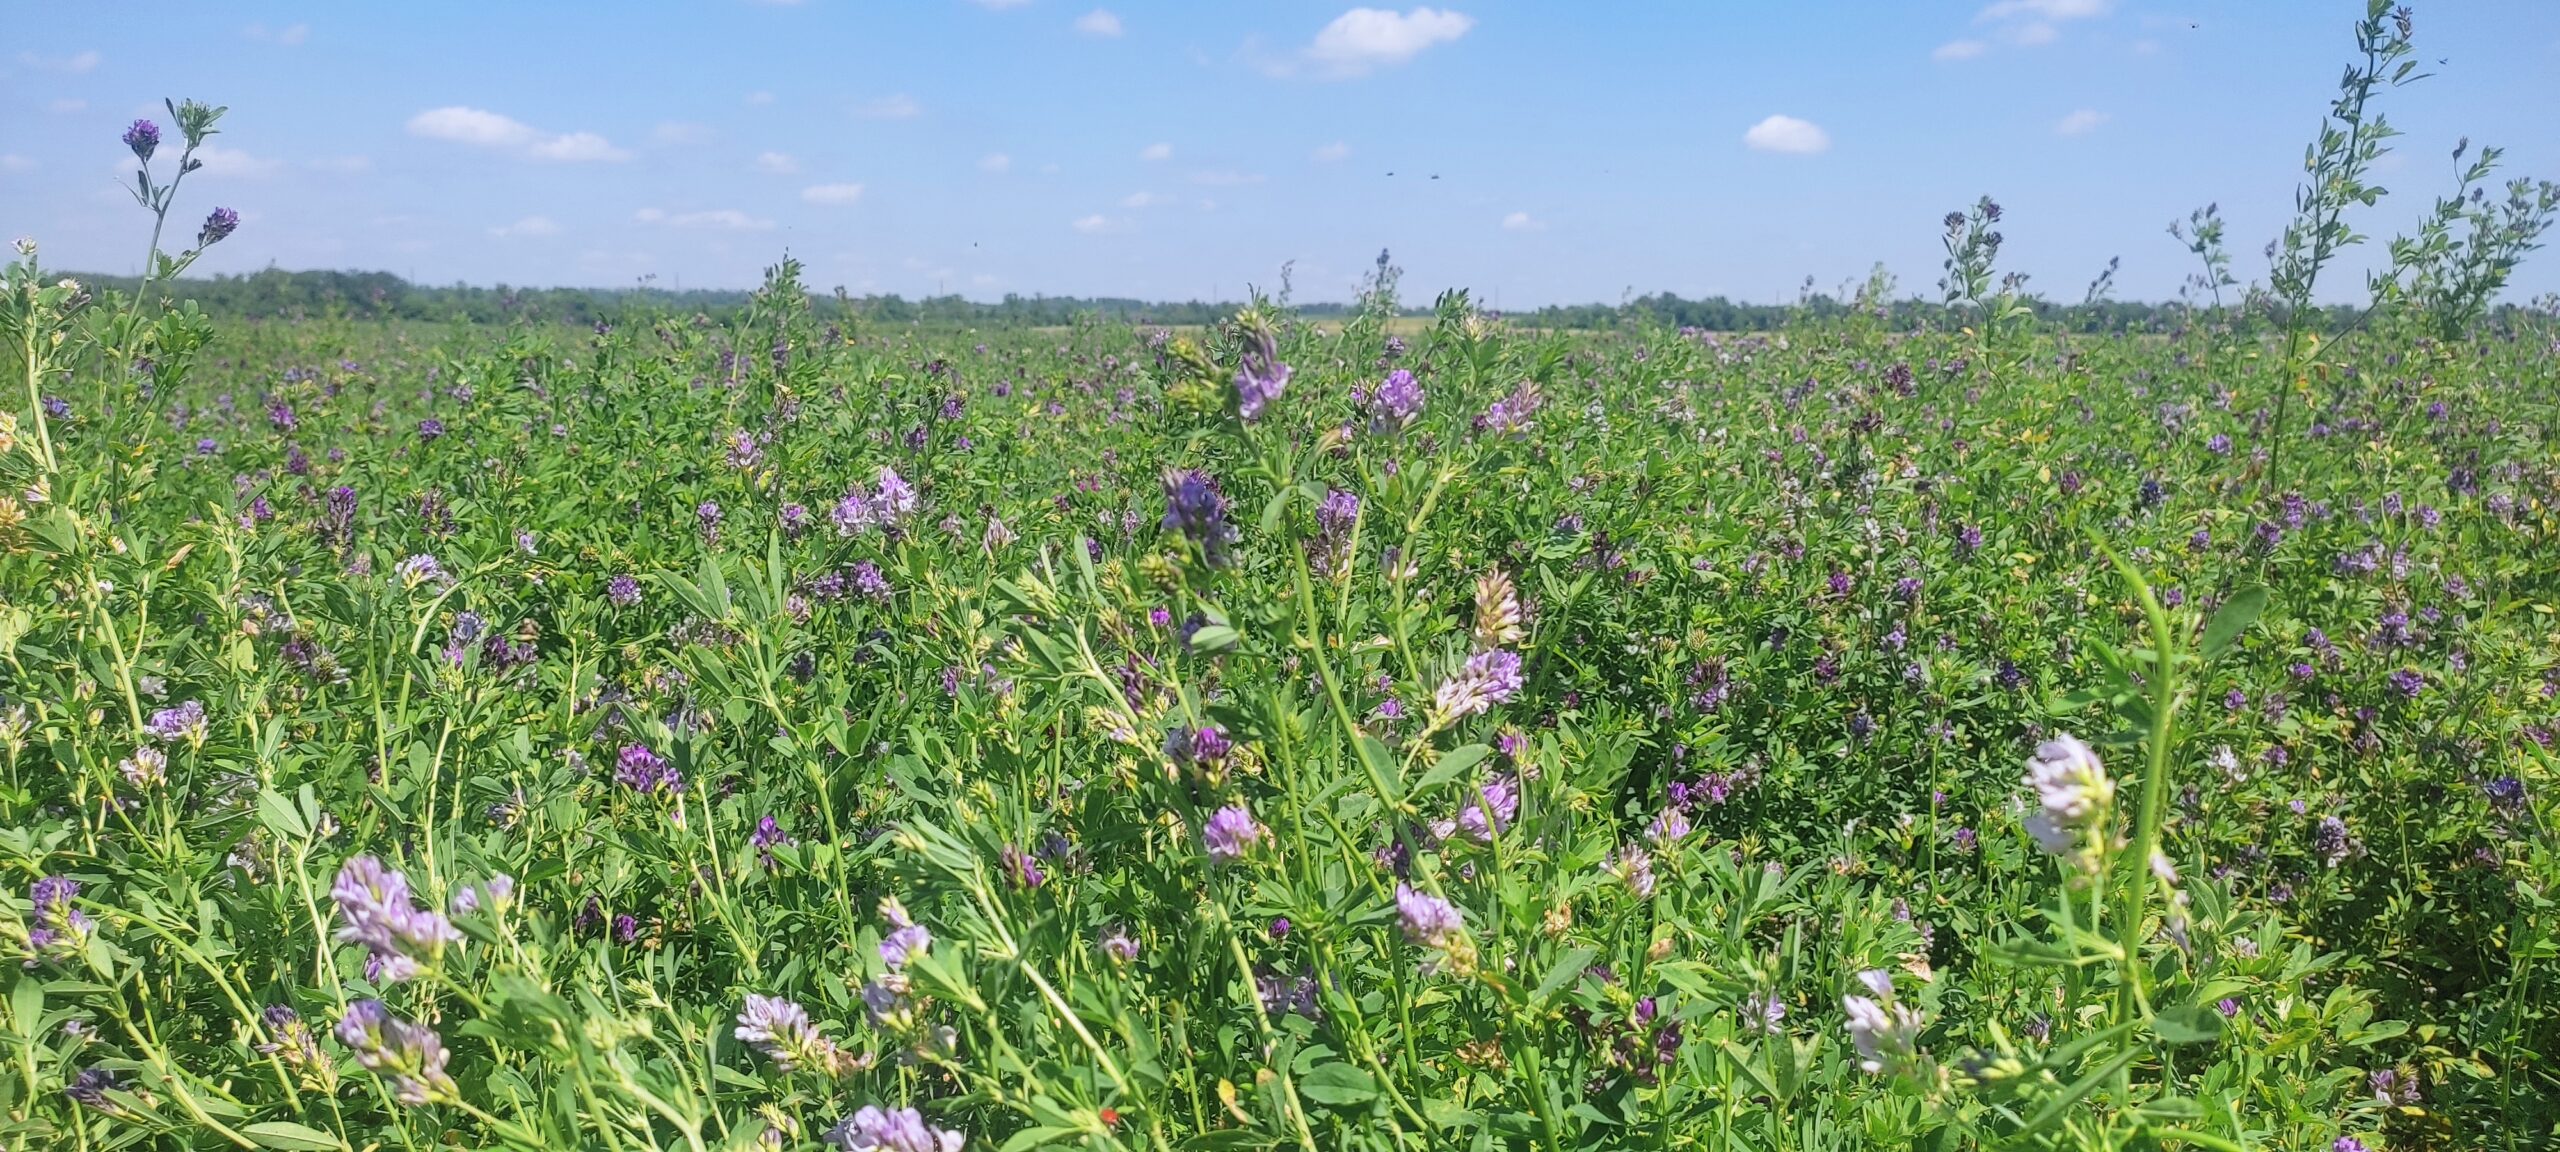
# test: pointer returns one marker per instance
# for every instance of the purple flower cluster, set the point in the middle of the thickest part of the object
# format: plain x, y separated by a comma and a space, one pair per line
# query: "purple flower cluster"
1231, 832
1260, 377
1487, 679
185, 722
641, 769
57, 931
892, 1130
411, 1056
1194, 507
890, 503
400, 937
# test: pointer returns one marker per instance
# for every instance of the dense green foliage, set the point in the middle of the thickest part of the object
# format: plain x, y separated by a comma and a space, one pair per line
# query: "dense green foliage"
427, 722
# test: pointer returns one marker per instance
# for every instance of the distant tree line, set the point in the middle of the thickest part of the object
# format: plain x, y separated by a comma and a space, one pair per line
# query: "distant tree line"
278, 294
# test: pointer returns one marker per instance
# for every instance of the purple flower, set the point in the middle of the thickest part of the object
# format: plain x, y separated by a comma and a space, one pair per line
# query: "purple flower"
58, 931
374, 903
1119, 945
622, 591
1397, 402
409, 1055
143, 138
768, 835
429, 429
626, 928
1230, 833
218, 225
780, 1029
901, 1130
906, 939
1487, 679
90, 1086
1194, 507
2220, 445
1668, 828
1260, 377
2409, 682
1491, 810
184, 722
1021, 868
1428, 920
640, 769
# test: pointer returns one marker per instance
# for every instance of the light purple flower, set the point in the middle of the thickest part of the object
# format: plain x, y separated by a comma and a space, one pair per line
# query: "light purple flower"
1428, 920
901, 1130
411, 1056
184, 722
1230, 833
1490, 811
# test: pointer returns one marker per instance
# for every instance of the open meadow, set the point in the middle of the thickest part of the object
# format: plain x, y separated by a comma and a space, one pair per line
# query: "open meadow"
784, 727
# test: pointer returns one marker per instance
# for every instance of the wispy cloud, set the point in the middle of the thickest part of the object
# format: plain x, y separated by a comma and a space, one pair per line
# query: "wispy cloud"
777, 163
67, 105
1099, 22
291, 35
219, 161
1156, 152
481, 128
1959, 50
530, 226
2028, 23
2081, 123
1096, 224
898, 107
836, 195
1225, 177
76, 64
1144, 200
1523, 222
759, 98
1364, 40
1331, 153
995, 163
342, 165
717, 219
1787, 134
12, 162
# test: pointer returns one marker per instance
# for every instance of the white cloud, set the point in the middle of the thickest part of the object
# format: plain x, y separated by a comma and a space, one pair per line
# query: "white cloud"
718, 219
1788, 134
2028, 23
481, 128
221, 161
529, 226
577, 148
1157, 152
1099, 22
1366, 38
12, 162
898, 107
1144, 200
995, 162
1331, 153
78, 64
838, 194
2081, 123
759, 98
777, 163
1959, 50
1522, 222
67, 106
289, 35
1095, 224
2043, 10
1225, 178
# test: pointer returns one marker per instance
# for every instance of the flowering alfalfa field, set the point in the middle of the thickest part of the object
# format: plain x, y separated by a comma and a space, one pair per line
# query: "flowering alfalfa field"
773, 730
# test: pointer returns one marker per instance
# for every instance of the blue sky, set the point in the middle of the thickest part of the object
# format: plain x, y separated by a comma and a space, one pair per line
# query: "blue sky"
1179, 149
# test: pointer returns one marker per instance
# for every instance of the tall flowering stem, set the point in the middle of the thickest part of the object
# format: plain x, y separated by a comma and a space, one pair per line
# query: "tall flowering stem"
2155, 786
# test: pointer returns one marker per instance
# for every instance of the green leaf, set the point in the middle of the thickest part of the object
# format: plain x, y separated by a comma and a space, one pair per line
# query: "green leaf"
2187, 1024
1567, 966
289, 1135
1035, 1137
2235, 617
1449, 765
1213, 638
1338, 1084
